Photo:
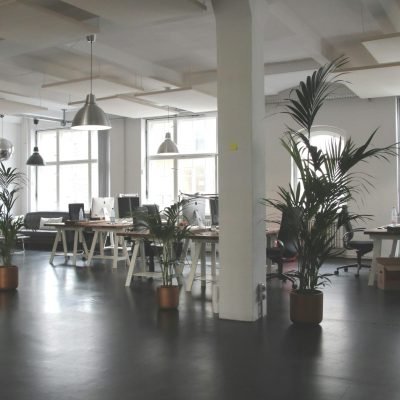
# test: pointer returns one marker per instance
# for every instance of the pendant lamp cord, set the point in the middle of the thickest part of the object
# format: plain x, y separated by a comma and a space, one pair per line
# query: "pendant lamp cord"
91, 39
91, 63
2, 132
36, 121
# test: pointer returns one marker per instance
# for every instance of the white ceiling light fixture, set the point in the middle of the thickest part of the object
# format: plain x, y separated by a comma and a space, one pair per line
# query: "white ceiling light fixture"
6, 147
35, 160
168, 145
91, 117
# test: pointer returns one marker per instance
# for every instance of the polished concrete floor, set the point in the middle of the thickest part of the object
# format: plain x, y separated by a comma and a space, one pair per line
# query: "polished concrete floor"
79, 334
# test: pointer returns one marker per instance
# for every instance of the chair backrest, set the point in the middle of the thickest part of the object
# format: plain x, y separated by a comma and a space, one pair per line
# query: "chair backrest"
74, 209
144, 209
344, 221
288, 232
214, 210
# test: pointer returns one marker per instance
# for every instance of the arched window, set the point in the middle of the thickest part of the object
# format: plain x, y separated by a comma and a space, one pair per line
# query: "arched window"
321, 137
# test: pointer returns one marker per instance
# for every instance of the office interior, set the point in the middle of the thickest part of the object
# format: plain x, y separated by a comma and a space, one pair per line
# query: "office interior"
157, 43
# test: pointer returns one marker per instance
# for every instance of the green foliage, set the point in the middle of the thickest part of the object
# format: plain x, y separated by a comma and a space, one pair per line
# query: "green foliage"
168, 229
11, 182
328, 180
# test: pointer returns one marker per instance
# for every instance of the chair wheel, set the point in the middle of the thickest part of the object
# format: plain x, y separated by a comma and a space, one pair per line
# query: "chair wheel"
345, 269
336, 272
294, 286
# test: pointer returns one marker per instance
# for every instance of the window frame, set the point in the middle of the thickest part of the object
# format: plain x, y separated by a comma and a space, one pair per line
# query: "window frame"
34, 188
317, 130
178, 156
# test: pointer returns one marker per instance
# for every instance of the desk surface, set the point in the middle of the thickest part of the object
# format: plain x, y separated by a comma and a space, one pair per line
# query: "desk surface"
90, 224
205, 234
382, 231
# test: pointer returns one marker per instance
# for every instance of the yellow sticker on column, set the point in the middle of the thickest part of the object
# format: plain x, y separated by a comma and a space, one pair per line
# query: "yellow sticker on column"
233, 147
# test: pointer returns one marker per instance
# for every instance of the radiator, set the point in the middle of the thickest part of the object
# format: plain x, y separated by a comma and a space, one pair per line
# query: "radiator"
338, 244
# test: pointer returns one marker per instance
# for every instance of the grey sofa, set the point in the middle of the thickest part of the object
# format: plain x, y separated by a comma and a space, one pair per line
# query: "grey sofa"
42, 239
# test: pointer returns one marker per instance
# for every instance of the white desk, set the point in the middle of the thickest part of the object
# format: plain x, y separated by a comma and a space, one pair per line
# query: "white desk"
200, 238
21, 239
378, 235
61, 228
101, 229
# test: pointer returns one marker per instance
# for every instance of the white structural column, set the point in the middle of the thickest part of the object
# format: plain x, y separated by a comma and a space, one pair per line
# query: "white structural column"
241, 146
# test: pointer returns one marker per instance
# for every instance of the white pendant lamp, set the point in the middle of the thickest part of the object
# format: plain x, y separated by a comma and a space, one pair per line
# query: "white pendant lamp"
91, 117
6, 147
36, 160
168, 145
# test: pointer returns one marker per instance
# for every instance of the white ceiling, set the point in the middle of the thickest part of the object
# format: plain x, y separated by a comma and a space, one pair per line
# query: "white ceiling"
169, 47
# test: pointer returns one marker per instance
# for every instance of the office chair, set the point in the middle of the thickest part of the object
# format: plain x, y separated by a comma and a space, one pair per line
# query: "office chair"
149, 247
286, 245
360, 246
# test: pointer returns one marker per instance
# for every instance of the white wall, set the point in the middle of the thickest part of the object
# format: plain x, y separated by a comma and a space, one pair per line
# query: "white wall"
125, 156
358, 118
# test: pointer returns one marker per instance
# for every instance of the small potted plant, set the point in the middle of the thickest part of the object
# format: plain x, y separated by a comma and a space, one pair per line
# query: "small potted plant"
328, 182
11, 182
167, 230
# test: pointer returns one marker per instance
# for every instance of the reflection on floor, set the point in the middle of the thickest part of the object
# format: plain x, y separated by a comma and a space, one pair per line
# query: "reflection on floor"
78, 333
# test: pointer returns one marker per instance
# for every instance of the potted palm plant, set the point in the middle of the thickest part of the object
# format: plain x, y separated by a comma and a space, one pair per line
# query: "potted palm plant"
11, 182
328, 182
167, 230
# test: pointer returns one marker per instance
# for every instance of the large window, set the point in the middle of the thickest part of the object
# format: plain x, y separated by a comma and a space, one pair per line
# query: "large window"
192, 170
321, 137
71, 171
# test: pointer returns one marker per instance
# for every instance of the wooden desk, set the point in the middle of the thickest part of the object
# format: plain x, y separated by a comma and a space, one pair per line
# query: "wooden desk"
199, 238
61, 228
377, 235
138, 238
102, 228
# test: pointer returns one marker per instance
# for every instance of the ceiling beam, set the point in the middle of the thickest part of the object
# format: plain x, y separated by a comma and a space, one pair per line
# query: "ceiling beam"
127, 60
386, 13
311, 41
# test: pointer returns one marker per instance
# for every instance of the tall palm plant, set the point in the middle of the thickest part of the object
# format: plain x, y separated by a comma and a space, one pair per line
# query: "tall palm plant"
328, 179
11, 182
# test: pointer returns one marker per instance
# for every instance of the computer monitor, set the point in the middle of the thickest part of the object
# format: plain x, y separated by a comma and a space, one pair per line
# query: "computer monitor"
74, 210
102, 207
127, 205
214, 211
194, 211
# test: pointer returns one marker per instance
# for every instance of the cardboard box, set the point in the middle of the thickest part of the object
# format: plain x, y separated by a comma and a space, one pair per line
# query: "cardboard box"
388, 273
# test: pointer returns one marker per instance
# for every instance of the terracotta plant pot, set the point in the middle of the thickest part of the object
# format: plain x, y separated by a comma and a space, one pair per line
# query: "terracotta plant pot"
306, 308
8, 277
168, 297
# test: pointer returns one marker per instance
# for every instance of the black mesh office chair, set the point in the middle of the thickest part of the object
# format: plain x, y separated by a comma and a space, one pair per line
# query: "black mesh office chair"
286, 245
149, 246
360, 246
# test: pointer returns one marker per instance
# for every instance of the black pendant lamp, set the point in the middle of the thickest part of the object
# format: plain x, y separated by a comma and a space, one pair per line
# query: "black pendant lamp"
91, 117
36, 160
6, 147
